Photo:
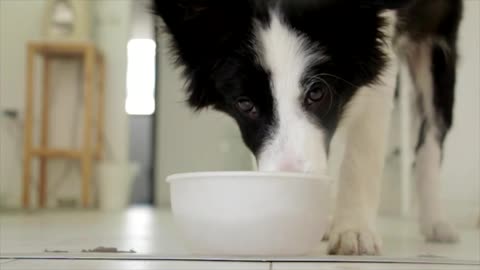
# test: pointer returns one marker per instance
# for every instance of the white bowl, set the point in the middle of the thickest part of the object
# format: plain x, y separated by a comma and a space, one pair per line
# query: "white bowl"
250, 213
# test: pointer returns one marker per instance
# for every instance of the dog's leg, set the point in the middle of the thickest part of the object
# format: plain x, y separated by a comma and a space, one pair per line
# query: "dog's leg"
364, 128
432, 68
353, 230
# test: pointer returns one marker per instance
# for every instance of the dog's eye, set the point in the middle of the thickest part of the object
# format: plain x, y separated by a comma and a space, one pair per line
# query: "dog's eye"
246, 106
314, 95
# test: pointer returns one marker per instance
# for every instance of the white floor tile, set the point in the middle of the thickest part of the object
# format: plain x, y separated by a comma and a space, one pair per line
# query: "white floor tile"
144, 230
152, 232
368, 266
3, 261
129, 265
402, 238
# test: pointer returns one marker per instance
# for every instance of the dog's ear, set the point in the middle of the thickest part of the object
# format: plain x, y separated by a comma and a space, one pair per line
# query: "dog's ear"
202, 32
198, 25
387, 4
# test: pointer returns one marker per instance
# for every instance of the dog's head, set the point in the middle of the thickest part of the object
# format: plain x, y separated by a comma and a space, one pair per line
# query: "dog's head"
284, 70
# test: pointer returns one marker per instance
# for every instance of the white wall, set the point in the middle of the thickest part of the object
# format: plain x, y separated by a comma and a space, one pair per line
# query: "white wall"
187, 142
20, 21
112, 32
12, 66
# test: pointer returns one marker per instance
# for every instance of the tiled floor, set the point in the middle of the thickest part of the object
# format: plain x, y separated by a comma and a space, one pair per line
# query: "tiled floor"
147, 265
152, 234
130, 265
369, 266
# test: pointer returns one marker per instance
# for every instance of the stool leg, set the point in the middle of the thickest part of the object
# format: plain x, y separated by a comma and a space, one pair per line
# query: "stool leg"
42, 196
27, 144
100, 108
87, 149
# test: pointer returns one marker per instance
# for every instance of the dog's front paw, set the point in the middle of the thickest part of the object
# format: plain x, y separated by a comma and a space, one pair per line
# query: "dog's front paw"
439, 231
361, 241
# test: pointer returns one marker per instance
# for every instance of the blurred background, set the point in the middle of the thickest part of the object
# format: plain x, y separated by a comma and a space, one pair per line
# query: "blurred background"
148, 132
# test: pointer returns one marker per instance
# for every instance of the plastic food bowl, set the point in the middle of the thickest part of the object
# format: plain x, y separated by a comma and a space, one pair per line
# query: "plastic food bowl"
250, 213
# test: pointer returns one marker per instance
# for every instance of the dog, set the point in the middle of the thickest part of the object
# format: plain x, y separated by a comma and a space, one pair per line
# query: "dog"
294, 74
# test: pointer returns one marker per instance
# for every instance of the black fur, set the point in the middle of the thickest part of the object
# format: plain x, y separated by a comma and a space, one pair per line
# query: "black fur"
421, 135
205, 33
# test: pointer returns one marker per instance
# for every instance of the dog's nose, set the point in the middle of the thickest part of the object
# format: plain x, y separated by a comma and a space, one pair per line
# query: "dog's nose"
290, 166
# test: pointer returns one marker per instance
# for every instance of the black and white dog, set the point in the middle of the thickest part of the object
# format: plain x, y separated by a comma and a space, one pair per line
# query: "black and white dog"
294, 73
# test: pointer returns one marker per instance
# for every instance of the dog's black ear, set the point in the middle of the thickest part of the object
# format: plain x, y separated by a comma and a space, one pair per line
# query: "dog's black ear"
387, 4
202, 31
205, 26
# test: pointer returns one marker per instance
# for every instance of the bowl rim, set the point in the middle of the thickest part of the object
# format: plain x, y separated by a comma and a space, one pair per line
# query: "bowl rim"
277, 175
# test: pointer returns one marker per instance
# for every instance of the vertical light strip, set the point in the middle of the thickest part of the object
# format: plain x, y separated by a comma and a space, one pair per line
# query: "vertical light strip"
140, 77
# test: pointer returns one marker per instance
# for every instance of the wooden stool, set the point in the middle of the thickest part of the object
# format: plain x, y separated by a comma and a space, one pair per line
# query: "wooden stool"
91, 58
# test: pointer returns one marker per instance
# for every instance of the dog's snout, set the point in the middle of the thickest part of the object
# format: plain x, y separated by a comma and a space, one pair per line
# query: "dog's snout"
290, 166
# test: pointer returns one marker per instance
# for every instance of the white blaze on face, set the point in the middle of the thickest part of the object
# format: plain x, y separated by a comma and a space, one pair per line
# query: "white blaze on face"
295, 143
